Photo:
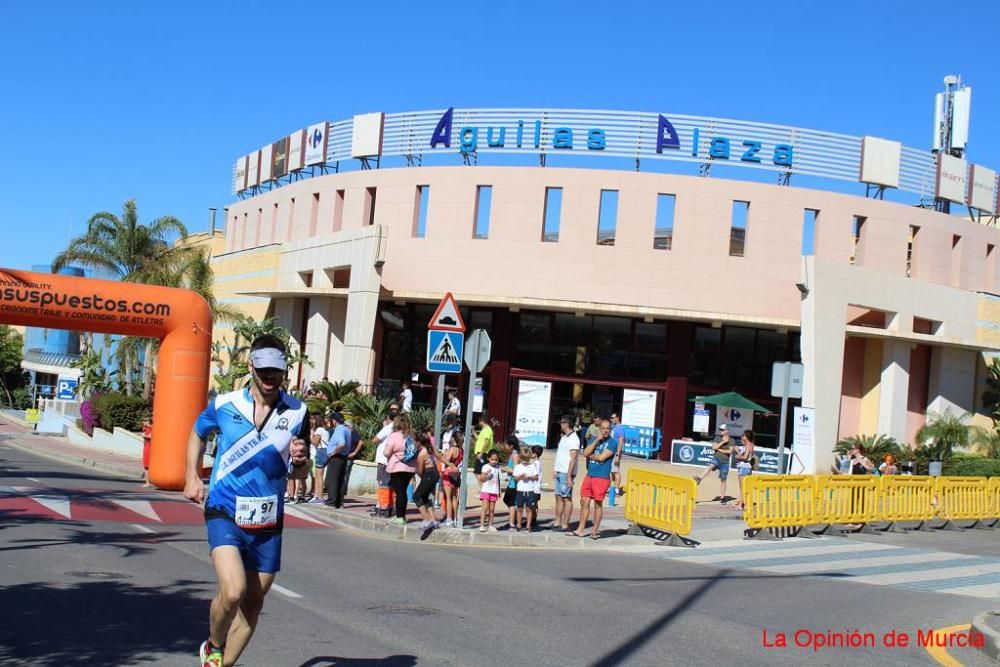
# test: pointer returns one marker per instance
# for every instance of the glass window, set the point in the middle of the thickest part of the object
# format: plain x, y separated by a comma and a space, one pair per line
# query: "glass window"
607, 217
738, 230
552, 214
484, 202
651, 336
809, 220
705, 351
663, 235
420, 218
738, 358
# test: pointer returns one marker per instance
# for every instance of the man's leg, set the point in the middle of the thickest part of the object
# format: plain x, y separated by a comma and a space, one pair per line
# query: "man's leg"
559, 511
245, 622
584, 515
598, 515
334, 480
232, 589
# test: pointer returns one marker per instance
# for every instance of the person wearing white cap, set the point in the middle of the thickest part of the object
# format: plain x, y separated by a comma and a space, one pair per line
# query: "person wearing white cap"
260, 428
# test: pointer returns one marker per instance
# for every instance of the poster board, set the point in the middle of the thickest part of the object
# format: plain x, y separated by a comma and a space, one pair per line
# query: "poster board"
532, 421
639, 407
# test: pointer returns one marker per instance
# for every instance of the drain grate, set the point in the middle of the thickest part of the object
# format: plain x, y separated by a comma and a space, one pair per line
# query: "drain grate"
406, 609
83, 574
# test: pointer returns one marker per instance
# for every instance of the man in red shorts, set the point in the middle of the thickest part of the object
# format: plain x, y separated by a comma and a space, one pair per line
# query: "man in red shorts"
599, 455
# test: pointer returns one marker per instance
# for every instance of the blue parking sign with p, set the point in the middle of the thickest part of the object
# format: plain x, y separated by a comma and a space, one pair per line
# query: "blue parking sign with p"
66, 390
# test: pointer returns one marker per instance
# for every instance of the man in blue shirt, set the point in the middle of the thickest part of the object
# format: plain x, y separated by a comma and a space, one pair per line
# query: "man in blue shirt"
339, 448
260, 429
598, 455
618, 433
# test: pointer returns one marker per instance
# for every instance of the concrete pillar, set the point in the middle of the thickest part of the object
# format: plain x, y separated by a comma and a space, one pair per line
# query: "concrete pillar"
952, 381
317, 339
823, 334
338, 328
894, 390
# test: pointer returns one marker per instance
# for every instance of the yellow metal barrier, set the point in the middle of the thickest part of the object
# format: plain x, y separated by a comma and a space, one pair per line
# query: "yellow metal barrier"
963, 498
778, 501
993, 492
846, 499
660, 501
907, 498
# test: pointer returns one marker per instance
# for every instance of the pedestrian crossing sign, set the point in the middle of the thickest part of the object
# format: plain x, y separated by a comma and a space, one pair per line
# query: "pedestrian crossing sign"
444, 351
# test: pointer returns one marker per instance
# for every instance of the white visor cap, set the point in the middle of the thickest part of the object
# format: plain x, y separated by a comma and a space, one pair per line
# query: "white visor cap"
269, 357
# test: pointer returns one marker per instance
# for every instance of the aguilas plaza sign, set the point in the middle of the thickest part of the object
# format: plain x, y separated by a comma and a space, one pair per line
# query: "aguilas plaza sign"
524, 135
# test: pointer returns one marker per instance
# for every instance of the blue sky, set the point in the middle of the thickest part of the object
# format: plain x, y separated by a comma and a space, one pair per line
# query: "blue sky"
109, 101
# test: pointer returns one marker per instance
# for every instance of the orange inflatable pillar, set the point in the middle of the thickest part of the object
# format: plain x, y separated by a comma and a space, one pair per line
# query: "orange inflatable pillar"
180, 318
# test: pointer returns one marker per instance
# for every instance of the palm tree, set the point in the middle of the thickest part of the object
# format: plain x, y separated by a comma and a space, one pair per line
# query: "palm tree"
186, 267
334, 395
876, 447
987, 440
942, 433
123, 247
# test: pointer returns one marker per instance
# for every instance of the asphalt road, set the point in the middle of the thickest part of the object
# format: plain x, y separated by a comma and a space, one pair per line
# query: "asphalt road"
116, 590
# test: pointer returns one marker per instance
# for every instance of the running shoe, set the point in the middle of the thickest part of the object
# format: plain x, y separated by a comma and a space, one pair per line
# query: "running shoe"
213, 659
398, 521
315, 501
448, 523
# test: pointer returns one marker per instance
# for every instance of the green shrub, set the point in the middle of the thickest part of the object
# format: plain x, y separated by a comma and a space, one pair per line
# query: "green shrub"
118, 410
972, 466
367, 451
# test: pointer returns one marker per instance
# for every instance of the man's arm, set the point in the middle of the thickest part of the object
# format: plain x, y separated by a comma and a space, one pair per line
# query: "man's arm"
358, 448
605, 455
573, 453
337, 443
589, 449
194, 488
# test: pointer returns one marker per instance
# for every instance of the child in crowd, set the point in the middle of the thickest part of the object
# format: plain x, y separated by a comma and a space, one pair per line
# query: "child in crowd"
489, 490
525, 473
511, 445
537, 450
427, 468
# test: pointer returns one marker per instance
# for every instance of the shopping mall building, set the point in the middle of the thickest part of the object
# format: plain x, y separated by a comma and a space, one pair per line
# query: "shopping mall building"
607, 250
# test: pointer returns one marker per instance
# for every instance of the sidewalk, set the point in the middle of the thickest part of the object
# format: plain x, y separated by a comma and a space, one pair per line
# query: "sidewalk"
712, 520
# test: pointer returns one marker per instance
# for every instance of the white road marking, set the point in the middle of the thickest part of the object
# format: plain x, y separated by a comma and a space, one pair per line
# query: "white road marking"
32, 479
141, 507
284, 591
57, 504
142, 529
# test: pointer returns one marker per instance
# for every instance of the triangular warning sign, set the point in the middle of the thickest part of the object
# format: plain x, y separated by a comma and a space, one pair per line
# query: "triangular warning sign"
447, 317
445, 352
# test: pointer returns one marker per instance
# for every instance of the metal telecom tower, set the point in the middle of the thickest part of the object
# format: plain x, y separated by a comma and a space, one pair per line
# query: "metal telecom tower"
951, 121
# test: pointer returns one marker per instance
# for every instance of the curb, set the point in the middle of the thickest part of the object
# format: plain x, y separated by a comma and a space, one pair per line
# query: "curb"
452, 536
987, 625
124, 471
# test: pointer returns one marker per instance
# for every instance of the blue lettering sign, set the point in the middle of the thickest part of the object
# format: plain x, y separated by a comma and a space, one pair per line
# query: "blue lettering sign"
719, 148
495, 143
468, 139
783, 155
563, 138
442, 132
666, 135
596, 140
750, 154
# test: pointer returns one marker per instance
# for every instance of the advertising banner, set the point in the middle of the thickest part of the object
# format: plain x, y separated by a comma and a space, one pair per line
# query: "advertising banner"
253, 170
296, 140
983, 189
533, 411
240, 183
880, 161
279, 158
951, 179
700, 454
316, 140
803, 438
639, 407
737, 419
265, 163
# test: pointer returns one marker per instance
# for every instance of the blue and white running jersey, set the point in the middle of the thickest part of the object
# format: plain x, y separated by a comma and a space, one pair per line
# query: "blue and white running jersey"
248, 478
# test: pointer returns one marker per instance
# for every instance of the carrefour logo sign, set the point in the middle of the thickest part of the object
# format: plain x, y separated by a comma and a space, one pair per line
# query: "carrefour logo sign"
528, 134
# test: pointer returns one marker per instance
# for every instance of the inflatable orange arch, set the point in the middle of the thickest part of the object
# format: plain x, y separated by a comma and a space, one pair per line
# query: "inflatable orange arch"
180, 318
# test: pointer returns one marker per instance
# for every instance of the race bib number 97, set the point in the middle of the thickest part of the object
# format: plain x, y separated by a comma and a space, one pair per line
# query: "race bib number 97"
256, 512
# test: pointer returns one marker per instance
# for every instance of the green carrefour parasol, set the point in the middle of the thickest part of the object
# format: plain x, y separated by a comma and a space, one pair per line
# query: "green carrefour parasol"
731, 399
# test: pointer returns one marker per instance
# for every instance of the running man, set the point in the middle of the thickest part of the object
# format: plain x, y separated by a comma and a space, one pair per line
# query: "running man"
259, 429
